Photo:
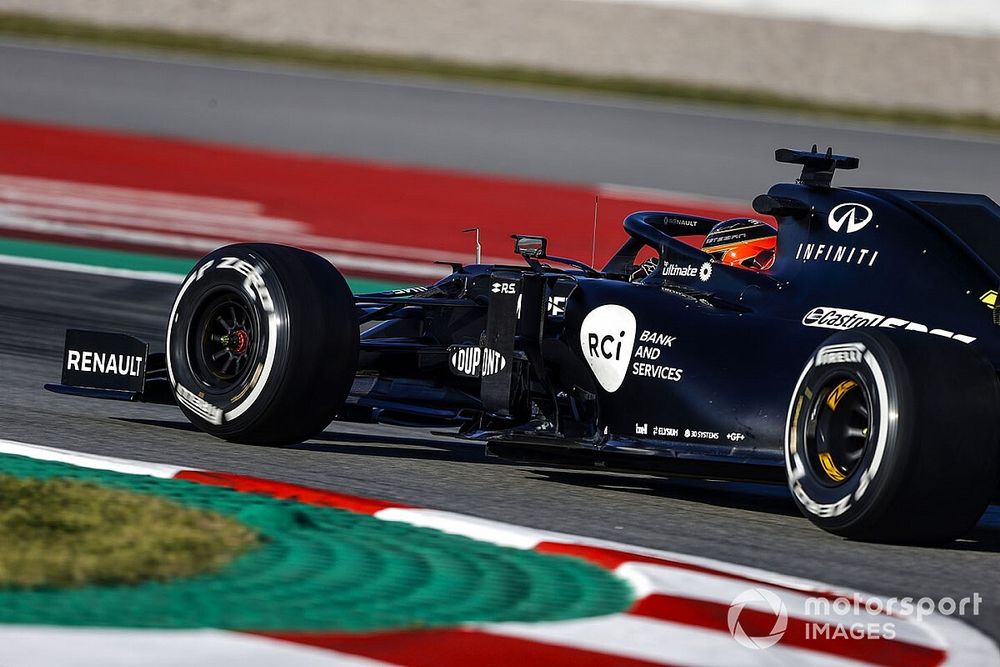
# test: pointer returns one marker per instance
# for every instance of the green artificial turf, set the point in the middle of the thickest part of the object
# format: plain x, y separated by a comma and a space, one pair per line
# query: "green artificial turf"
316, 568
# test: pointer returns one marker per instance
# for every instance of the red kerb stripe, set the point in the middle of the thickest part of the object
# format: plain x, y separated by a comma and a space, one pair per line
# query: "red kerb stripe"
456, 648
612, 558
285, 491
799, 633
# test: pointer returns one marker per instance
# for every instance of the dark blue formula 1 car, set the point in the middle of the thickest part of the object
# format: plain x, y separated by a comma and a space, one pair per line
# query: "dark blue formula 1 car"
851, 352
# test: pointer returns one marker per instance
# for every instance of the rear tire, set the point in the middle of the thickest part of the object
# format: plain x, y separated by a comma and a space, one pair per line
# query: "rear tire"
262, 344
893, 436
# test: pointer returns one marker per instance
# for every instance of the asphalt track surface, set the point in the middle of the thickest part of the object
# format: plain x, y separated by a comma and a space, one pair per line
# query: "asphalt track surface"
571, 138
754, 525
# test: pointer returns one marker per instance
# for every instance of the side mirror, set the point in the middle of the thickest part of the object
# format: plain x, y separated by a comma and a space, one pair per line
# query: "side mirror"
530, 247
781, 206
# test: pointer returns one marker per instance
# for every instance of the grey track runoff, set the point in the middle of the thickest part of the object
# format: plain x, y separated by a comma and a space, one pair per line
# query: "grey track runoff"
749, 524
569, 137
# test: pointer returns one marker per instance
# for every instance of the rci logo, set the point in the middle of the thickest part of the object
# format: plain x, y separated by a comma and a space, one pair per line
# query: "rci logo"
752, 604
850, 217
606, 338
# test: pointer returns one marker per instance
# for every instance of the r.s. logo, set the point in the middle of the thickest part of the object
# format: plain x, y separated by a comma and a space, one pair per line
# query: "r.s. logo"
606, 338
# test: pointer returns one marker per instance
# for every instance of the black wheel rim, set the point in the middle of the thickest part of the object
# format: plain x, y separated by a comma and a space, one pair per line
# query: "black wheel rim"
225, 340
839, 429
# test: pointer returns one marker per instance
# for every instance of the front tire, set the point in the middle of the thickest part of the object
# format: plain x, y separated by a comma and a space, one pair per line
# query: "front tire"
262, 344
892, 436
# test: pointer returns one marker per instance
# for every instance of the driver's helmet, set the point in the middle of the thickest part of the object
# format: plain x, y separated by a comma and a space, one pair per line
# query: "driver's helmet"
742, 242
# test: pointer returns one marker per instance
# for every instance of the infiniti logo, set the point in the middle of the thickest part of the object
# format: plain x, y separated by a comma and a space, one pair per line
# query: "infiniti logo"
854, 216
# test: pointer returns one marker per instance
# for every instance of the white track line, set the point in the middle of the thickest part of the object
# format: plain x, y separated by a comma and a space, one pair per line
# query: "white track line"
144, 217
202, 245
45, 646
157, 238
28, 203
142, 196
483, 530
669, 197
93, 461
121, 213
73, 267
